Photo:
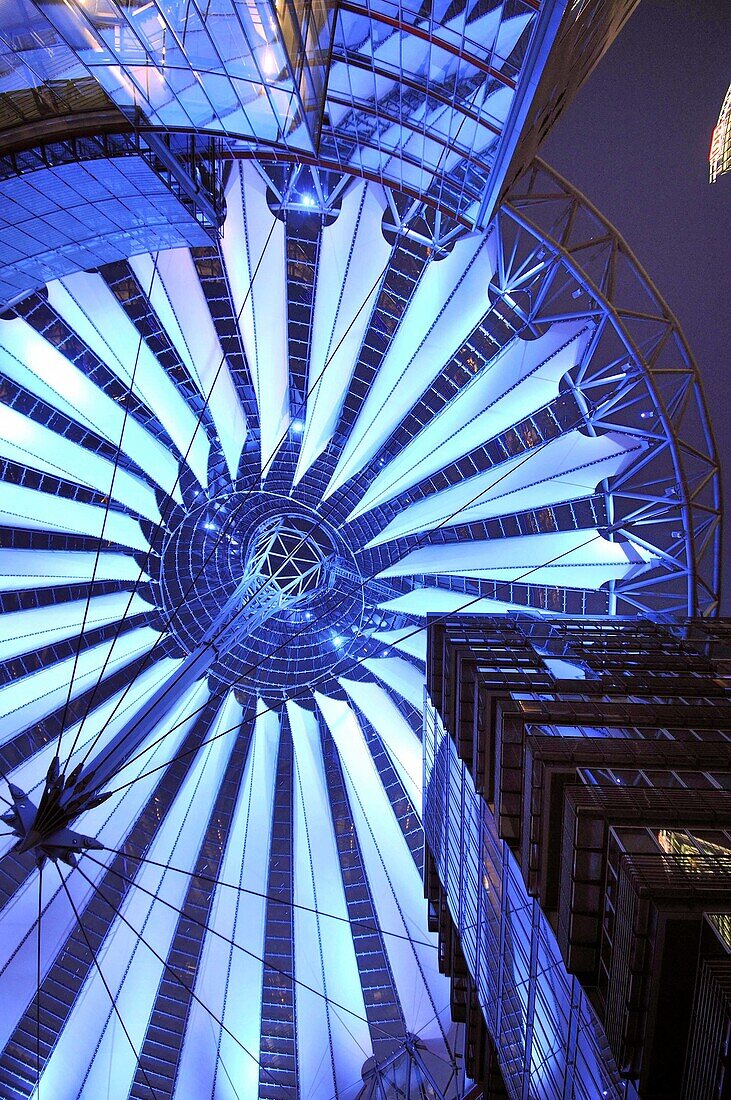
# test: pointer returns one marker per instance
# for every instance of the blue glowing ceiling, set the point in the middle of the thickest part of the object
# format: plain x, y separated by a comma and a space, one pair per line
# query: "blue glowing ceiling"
345, 418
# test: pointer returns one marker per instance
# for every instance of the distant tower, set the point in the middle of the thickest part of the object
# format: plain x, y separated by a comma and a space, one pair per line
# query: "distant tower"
720, 156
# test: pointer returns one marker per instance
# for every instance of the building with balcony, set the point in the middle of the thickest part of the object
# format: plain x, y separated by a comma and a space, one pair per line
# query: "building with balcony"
578, 827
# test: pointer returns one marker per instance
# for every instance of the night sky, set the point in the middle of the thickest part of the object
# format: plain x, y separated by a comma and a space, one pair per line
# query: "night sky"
635, 141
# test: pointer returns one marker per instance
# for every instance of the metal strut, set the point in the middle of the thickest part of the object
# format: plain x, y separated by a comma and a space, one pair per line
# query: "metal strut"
268, 587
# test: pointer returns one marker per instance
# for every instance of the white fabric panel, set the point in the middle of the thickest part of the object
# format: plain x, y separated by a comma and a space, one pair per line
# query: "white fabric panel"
567, 468
23, 440
19, 942
23, 631
422, 601
131, 970
101, 725
580, 559
161, 745
27, 508
179, 302
111, 822
409, 640
261, 305
32, 698
400, 675
400, 741
520, 379
36, 365
21, 569
353, 256
448, 302
85, 295
510, 32
395, 883
333, 970
229, 980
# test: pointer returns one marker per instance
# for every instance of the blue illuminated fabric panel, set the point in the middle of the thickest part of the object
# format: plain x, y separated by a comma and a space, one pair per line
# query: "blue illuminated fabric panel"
349, 415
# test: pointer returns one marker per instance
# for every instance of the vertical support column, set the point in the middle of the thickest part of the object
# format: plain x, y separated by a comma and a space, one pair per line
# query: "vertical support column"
278, 1074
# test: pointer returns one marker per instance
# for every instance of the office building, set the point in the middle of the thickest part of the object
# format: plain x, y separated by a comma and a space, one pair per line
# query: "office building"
578, 827
720, 157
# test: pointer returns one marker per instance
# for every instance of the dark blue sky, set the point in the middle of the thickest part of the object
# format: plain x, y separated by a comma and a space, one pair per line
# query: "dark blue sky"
636, 141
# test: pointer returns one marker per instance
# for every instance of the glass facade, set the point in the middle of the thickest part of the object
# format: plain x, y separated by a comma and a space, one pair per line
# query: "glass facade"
94, 201
432, 102
720, 157
578, 822
547, 1034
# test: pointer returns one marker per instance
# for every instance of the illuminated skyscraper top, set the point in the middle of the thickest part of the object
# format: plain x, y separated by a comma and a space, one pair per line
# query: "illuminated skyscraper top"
720, 157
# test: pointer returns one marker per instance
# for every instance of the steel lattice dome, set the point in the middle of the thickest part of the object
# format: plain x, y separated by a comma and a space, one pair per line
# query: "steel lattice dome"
351, 413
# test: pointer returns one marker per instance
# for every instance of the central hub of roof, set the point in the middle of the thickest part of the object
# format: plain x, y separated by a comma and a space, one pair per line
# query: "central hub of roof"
302, 592
292, 554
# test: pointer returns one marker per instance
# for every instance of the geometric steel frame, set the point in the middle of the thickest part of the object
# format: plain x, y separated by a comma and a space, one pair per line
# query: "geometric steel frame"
667, 502
556, 259
676, 491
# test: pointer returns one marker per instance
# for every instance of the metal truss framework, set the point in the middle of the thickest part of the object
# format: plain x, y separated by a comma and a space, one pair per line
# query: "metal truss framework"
428, 99
675, 495
554, 342
290, 763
